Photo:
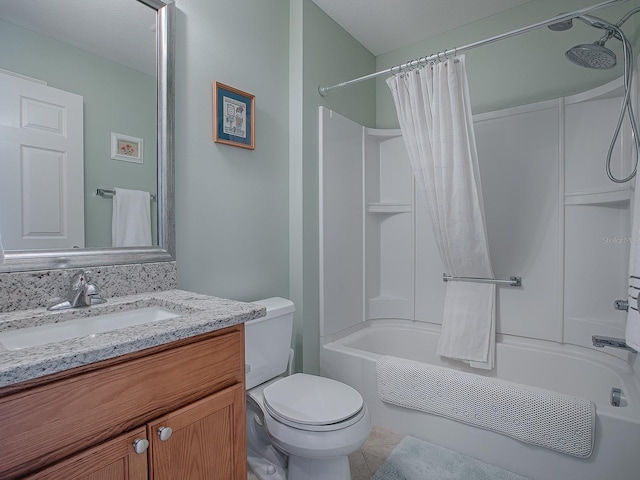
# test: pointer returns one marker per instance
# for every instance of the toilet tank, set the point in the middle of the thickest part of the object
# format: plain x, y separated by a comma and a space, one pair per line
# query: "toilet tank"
267, 341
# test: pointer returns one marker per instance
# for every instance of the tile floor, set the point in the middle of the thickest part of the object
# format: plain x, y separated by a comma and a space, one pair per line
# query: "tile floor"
373, 453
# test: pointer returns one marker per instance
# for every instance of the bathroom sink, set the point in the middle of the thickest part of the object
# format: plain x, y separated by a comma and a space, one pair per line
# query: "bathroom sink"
82, 327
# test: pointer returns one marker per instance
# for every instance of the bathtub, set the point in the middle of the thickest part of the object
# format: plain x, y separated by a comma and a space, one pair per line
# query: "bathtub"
578, 371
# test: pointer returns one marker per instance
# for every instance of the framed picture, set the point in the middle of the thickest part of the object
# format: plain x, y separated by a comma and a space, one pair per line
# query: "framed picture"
234, 119
126, 148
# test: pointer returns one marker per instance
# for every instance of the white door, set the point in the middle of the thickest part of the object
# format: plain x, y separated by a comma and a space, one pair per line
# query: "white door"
41, 166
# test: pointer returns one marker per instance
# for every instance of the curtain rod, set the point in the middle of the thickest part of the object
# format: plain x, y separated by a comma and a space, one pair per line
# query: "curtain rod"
323, 91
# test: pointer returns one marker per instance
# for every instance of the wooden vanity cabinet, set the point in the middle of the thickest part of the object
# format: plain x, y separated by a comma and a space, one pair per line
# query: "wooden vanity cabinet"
112, 460
203, 443
82, 424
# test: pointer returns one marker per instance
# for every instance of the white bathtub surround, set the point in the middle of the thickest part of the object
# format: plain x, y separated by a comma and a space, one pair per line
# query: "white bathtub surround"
381, 274
131, 219
434, 112
532, 415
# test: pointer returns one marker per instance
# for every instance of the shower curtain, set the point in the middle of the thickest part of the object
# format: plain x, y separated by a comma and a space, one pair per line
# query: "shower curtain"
435, 119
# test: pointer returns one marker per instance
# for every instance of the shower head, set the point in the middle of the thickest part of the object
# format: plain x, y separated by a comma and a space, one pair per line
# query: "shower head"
561, 26
592, 55
588, 19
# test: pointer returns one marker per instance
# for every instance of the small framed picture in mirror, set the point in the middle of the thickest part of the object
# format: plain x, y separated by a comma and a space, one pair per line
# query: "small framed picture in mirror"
126, 148
233, 116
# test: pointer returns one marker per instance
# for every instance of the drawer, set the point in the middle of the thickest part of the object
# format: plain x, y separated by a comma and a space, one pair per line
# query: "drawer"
46, 423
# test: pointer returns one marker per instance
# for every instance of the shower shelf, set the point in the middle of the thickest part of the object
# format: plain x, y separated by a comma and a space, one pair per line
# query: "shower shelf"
597, 198
388, 207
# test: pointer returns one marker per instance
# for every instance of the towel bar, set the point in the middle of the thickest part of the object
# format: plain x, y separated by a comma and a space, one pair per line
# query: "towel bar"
103, 192
512, 282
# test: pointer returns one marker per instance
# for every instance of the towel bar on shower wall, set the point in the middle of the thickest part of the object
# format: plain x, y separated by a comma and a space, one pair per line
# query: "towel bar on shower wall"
512, 282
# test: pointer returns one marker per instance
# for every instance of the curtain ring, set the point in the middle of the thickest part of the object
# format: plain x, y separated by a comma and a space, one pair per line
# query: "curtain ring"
446, 55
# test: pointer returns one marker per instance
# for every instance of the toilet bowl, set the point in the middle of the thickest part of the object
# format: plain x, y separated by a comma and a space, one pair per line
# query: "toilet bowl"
301, 426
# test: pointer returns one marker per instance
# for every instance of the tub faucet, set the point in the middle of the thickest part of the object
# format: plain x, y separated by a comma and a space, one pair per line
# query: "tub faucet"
82, 293
600, 342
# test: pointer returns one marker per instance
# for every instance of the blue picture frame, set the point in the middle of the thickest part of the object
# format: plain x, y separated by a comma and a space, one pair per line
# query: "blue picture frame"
233, 116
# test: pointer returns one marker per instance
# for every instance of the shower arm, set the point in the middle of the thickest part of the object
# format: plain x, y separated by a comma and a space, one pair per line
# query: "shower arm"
610, 28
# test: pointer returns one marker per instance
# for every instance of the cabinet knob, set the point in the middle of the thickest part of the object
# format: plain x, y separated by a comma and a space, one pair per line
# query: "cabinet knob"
164, 433
140, 445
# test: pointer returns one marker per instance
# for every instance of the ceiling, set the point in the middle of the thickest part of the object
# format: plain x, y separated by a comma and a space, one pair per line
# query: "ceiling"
122, 31
101, 26
386, 25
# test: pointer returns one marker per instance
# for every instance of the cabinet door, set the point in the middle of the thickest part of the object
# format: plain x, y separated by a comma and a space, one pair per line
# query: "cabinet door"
207, 440
112, 460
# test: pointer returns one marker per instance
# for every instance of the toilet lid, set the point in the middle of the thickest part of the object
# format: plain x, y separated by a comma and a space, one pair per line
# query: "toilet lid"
311, 400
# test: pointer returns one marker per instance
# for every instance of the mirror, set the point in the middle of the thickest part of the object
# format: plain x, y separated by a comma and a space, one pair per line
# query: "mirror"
150, 167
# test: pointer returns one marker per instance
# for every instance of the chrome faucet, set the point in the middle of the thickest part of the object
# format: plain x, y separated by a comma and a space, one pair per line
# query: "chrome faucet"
82, 293
600, 342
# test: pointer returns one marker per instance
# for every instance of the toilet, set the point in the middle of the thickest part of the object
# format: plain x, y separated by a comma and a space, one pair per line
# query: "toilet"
299, 427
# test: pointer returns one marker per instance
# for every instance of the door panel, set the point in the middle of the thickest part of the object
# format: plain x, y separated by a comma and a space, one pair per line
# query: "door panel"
41, 160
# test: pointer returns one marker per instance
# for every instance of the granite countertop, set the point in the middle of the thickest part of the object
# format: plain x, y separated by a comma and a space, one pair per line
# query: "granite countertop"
199, 314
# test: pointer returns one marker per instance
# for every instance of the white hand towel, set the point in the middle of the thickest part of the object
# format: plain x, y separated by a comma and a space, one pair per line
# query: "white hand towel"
468, 326
1, 252
131, 220
632, 335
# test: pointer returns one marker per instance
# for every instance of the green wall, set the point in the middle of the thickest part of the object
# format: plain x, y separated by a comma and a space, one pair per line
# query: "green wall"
528, 68
247, 221
321, 53
116, 99
232, 203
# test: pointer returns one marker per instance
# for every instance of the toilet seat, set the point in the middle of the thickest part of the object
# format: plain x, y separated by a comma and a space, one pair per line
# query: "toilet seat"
312, 403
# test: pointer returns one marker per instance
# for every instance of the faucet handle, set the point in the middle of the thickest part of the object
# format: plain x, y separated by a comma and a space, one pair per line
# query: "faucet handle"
79, 279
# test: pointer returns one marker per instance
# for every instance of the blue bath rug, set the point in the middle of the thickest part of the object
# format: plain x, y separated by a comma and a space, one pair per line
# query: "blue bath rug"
415, 459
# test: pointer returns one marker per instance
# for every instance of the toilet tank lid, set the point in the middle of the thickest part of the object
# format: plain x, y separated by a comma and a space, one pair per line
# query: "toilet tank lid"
276, 306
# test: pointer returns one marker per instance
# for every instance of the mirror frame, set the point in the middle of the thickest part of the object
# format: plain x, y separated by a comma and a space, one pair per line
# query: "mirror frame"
29, 260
